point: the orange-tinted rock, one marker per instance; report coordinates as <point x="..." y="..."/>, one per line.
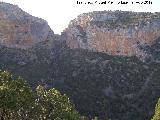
<point x="19" y="29"/>
<point x="110" y="33"/>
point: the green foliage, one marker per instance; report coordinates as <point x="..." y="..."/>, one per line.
<point x="53" y="105"/>
<point x="157" y="111"/>
<point x="19" y="102"/>
<point x="99" y="85"/>
<point x="95" y="118"/>
<point x="16" y="97"/>
<point x="107" y="86"/>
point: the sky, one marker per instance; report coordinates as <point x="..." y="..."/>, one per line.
<point x="58" y="13"/>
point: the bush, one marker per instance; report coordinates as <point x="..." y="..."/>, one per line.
<point x="157" y="111"/>
<point x="19" y="102"/>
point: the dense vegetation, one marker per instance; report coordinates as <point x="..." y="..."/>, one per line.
<point x="123" y="88"/>
<point x="114" y="87"/>
<point x="19" y="102"/>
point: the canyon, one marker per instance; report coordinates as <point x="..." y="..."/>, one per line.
<point x="107" y="62"/>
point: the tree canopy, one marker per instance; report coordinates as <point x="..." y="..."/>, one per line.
<point x="157" y="111"/>
<point x="19" y="102"/>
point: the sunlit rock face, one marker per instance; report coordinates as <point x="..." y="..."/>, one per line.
<point x="115" y="33"/>
<point x="19" y="29"/>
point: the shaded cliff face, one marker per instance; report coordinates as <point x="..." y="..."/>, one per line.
<point x="115" y="33"/>
<point x="19" y="29"/>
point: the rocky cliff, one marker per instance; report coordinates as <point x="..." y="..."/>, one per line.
<point x="107" y="86"/>
<point x="19" y="29"/>
<point x="115" y="33"/>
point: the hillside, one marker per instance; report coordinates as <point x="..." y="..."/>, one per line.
<point x="100" y="81"/>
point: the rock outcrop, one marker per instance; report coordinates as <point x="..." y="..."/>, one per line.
<point x="106" y="86"/>
<point x="115" y="33"/>
<point x="18" y="29"/>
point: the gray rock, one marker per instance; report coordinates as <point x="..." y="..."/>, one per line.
<point x="19" y="29"/>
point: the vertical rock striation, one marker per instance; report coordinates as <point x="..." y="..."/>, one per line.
<point x="115" y="33"/>
<point x="19" y="29"/>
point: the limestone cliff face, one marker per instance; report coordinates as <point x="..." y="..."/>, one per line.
<point x="19" y="29"/>
<point x="115" y="33"/>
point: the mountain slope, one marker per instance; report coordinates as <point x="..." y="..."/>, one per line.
<point x="119" y="86"/>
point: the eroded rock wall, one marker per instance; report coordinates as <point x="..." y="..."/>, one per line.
<point x="19" y="29"/>
<point x="115" y="33"/>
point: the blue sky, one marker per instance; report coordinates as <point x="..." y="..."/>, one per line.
<point x="58" y="13"/>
